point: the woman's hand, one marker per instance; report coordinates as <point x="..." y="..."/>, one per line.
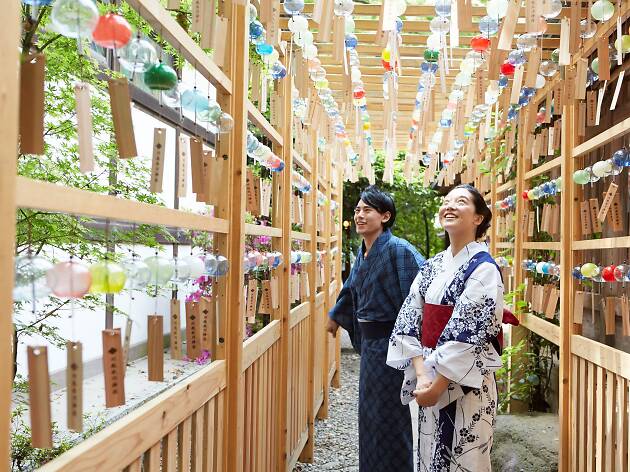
<point x="423" y="382"/>
<point x="426" y="397"/>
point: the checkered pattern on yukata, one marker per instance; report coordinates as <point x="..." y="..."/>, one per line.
<point x="378" y="284"/>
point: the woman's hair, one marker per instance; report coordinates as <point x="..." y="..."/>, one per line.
<point x="481" y="208"/>
<point x="373" y="197"/>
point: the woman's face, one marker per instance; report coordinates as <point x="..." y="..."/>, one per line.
<point x="458" y="213"/>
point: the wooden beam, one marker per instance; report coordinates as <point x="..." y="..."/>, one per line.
<point x="9" y="115"/>
<point x="259" y="120"/>
<point x="237" y="13"/>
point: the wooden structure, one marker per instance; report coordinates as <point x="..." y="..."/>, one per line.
<point x="254" y="407"/>
<point x="594" y="408"/>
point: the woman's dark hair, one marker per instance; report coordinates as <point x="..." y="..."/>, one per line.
<point x="481" y="208"/>
<point x="373" y="197"/>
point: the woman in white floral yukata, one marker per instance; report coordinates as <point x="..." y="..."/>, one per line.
<point x="447" y="338"/>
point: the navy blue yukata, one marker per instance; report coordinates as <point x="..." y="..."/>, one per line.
<point x="367" y="307"/>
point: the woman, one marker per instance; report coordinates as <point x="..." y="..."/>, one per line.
<point x="446" y="339"/>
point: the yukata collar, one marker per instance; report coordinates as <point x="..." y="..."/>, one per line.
<point x="380" y="242"/>
<point x="465" y="253"/>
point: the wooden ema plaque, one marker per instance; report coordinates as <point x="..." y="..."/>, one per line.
<point x="275" y="292"/>
<point x="155" y="351"/>
<point x="608" y="199"/>
<point x="32" y="78"/>
<point x="193" y="331"/>
<point x="609" y="316"/>
<point x="594" y="207"/>
<point x="84" y="126"/>
<point x="176" y="330"/>
<point x="207" y="308"/>
<point x="157" y="162"/>
<point x="39" y="397"/>
<point x="625" y="316"/>
<point x="251" y="299"/>
<point x="578" y="307"/>
<point x="265" y="299"/>
<point x="615" y="213"/>
<point x="120" y="101"/>
<point x="196" y="167"/>
<point x="182" y="165"/>
<point x="113" y="368"/>
<point x="74" y="385"/>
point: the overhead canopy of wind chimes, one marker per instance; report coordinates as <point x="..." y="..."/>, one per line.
<point x="426" y="78"/>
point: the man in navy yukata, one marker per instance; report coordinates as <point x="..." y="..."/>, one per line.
<point x="367" y="307"/>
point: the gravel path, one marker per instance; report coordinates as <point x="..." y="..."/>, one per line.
<point x="337" y="438"/>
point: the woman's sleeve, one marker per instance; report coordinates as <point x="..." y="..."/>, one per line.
<point x="404" y="342"/>
<point x="465" y="353"/>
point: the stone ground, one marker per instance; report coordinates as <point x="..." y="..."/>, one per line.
<point x="523" y="443"/>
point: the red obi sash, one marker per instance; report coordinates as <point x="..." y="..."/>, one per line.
<point x="435" y="318"/>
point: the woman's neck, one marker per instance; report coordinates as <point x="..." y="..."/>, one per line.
<point x="459" y="242"/>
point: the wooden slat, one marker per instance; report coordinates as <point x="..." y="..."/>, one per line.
<point x="602" y="138"/>
<point x="599" y="419"/>
<point x="543" y="328"/>
<point x="536" y="245"/>
<point x="260" y="343"/>
<point x="197" y="440"/>
<point x="152" y="459"/>
<point x="176" y="36"/>
<point x="590" y="436"/>
<point x="505" y="245"/>
<point x="47" y="196"/>
<point x="607" y="357"/>
<point x="546" y="167"/>
<point x="257" y="118"/>
<point x="184" y="444"/>
<point x="139" y="430"/>
<point x="506" y="186"/>
<point x="299" y="313"/>
<point x="260" y="230"/>
<point x="170" y="452"/>
<point x="306" y="167"/>
<point x="300" y="236"/>
<point x="605" y="243"/>
<point x="135" y="466"/>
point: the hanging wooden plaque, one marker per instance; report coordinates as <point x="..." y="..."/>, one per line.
<point x="196" y="165"/>
<point x="552" y="302"/>
<point x="265" y="299"/>
<point x="585" y="218"/>
<point x="616" y="212"/>
<point x="305" y="289"/>
<point x="113" y="368"/>
<point x="197" y="13"/>
<point x="557" y="99"/>
<point x="193" y="331"/>
<point x="216" y="170"/>
<point x="32" y="79"/>
<point x="580" y="78"/>
<point x="176" y="330"/>
<point x="609" y="317"/>
<point x="591" y="108"/>
<point x="531" y="220"/>
<point x="182" y="166"/>
<point x="557" y="134"/>
<point x="607" y="202"/>
<point x="603" y="55"/>
<point x="173" y="4"/>
<point x="252" y="298"/>
<point x="594" y="207"/>
<point x="84" y="127"/>
<point x="120" y="102"/>
<point x="265" y="197"/>
<point x="217" y="41"/>
<point x="249" y="192"/>
<point x="516" y="85"/>
<point x="533" y="63"/>
<point x="275" y="292"/>
<point x="155" y="351"/>
<point x="578" y="307"/>
<point x="581" y="119"/>
<point x="339" y="34"/>
<point x="127" y="342"/>
<point x="208" y="323"/>
<point x="625" y="316"/>
<point x="157" y="162"/>
<point x="208" y="25"/>
<point x="74" y="386"/>
<point x="39" y="397"/>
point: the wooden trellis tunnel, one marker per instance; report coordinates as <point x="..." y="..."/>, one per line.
<point x="254" y="406"/>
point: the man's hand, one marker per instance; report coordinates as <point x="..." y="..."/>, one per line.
<point x="332" y="326"/>
<point x="426" y="397"/>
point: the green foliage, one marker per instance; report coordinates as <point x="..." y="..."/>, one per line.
<point x="416" y="207"/>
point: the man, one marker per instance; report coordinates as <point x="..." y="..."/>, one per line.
<point x="367" y="307"/>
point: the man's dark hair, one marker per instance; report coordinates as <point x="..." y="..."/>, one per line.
<point x="382" y="202"/>
<point x="481" y="208"/>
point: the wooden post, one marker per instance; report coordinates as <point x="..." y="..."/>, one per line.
<point x="9" y="94"/>
<point x="567" y="288"/>
<point x="237" y="13"/>
<point x="308" y="451"/>
<point x="284" y="217"/>
<point x="336" y="381"/>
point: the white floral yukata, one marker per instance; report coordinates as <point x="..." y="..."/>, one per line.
<point x="456" y="433"/>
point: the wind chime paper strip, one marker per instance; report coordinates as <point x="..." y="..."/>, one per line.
<point x="74" y="386"/>
<point x="32" y="78"/>
<point x="113" y="368"/>
<point x="176" y="330"/>
<point x="509" y="26"/>
<point x="84" y="127"/>
<point x="613" y="103"/>
<point x="39" y="397"/>
<point x="155" y="352"/>
<point x="120" y="101"/>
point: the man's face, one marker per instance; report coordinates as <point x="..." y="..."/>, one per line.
<point x="368" y="220"/>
